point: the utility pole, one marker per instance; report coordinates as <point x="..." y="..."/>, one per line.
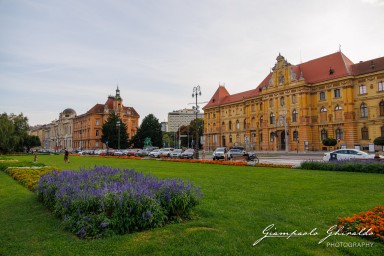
<point x="196" y="92"/>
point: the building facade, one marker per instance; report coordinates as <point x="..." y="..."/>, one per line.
<point x="297" y="106"/>
<point x="178" y="118"/>
<point x="87" y="128"/>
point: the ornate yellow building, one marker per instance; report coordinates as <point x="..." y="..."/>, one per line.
<point x="296" y="106"/>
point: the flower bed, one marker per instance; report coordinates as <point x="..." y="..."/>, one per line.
<point x="372" y="220"/>
<point x="95" y="203"/>
<point x="27" y="176"/>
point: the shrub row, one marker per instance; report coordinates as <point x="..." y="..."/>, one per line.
<point x="96" y="203"/>
<point x="367" y="166"/>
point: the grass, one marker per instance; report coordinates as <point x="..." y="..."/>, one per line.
<point x="238" y="203"/>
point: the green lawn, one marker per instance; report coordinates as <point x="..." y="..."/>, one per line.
<point x="238" y="203"/>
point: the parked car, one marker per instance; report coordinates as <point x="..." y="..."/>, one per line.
<point x="154" y="153"/>
<point x="165" y="152"/>
<point x="347" y="154"/>
<point x="118" y="153"/>
<point x="219" y="153"/>
<point x="235" y="152"/>
<point x="142" y="152"/>
<point x="176" y="153"/>
<point x="188" y="153"/>
<point x="132" y="152"/>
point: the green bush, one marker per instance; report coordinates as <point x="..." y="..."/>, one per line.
<point x="367" y="166"/>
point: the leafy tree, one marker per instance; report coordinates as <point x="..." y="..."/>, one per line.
<point x="13" y="132"/>
<point x="379" y="141"/>
<point x="200" y="128"/>
<point x="329" y="142"/>
<point x="149" y="128"/>
<point x="110" y="132"/>
<point x="31" y="141"/>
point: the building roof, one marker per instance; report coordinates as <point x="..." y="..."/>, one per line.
<point x="332" y="66"/>
<point x="364" y="67"/>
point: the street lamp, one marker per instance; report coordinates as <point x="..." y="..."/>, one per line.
<point x="118" y="135"/>
<point x="196" y="92"/>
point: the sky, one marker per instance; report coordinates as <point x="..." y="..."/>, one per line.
<point x="57" y="54"/>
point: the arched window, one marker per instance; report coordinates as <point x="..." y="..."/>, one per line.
<point x="364" y="133"/>
<point x="271" y="136"/>
<point x="363" y="110"/>
<point x="324" y="134"/>
<point x="338" y="112"/>
<point x="237" y="124"/>
<point x="295" y="135"/>
<point x="294" y="116"/>
<point x="323" y="114"/>
<point x="272" y="118"/>
<point x="381" y="105"/>
<point x="339" y="134"/>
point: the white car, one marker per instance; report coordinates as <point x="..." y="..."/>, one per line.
<point x="347" y="154"/>
<point x="154" y="153"/>
<point x="176" y="153"/>
<point x="165" y="152"/>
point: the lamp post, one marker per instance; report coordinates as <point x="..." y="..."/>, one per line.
<point x="118" y="135"/>
<point x="196" y="92"/>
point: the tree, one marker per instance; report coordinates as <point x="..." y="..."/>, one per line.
<point x="110" y="132"/>
<point x="200" y="127"/>
<point x="330" y="142"/>
<point x="13" y="132"/>
<point x="149" y="128"/>
<point x="31" y="141"/>
<point x="379" y="141"/>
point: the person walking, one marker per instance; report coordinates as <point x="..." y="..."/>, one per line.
<point x="66" y="154"/>
<point x="35" y="157"/>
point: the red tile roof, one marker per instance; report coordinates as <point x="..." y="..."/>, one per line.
<point x="335" y="65"/>
<point x="365" y="67"/>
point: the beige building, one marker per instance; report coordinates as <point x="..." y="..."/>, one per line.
<point x="296" y="106"/>
<point x="178" y="118"/>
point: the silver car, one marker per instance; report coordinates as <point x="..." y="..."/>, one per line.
<point x="347" y="154"/>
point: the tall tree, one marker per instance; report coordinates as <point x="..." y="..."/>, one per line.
<point x="31" y="141"/>
<point x="13" y="132"/>
<point x="149" y="128"/>
<point x="110" y="132"/>
<point x="199" y="123"/>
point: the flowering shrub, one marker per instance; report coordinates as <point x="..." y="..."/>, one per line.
<point x="373" y="219"/>
<point x="368" y="166"/>
<point x="27" y="176"/>
<point x="98" y="202"/>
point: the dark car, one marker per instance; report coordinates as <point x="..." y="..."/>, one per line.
<point x="188" y="153"/>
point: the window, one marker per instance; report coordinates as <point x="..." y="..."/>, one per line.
<point x="337" y="93"/>
<point x="338" y="108"/>
<point x="323" y="114"/>
<point x="245" y="124"/>
<point x="261" y="137"/>
<point x="295" y="135"/>
<point x="364" y="133"/>
<point x="282" y="103"/>
<point x="237" y="124"/>
<point x="322" y="95"/>
<point x="97" y="122"/>
<point x="324" y="134"/>
<point x="294" y="116"/>
<point x="261" y="121"/>
<point x="363" y="110"/>
<point x="362" y="89"/>
<point x="339" y="134"/>
<point x="338" y="112"/>
<point x="230" y="138"/>
<point x="294" y="99"/>
<point x="261" y="106"/>
<point x="272" y="118"/>
<point x="381" y="105"/>
<point x="97" y="133"/>
<point x="381" y="86"/>
<point x="271" y="136"/>
<point x="230" y="125"/>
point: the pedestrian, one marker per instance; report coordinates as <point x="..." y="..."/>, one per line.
<point x="35" y="157"/>
<point x="203" y="154"/>
<point x="66" y="154"/>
